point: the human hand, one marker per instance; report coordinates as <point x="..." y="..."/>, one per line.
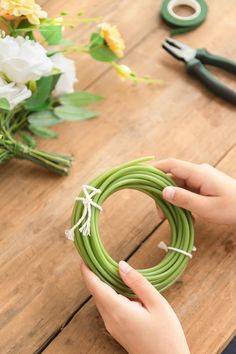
<point x="202" y="189"/>
<point x="146" y="326"/>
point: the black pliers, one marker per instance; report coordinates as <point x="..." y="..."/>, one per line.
<point x="194" y="60"/>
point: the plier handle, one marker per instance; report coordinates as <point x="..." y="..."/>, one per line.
<point x="194" y="60"/>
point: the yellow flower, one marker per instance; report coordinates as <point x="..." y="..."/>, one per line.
<point x="58" y="21"/>
<point x="113" y="38"/>
<point x="123" y="71"/>
<point x="26" y="8"/>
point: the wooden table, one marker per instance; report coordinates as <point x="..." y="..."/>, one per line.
<point x="44" y="306"/>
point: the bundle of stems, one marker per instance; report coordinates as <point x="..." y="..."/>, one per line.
<point x="13" y="121"/>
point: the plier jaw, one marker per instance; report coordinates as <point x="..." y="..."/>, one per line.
<point x="179" y="50"/>
<point x="196" y="59"/>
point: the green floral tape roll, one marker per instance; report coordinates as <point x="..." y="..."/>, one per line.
<point x="182" y="24"/>
<point x="85" y="225"/>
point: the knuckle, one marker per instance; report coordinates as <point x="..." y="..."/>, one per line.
<point x="136" y="278"/>
<point x="172" y="161"/>
<point x="92" y="291"/>
<point x="95" y="292"/>
<point x="182" y="198"/>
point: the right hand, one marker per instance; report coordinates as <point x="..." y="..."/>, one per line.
<point x="201" y="189"/>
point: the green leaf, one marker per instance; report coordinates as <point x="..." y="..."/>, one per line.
<point x="79" y="98"/>
<point x="44" y="88"/>
<point x="31" y="36"/>
<point x="43" y="132"/>
<point x="102" y="54"/>
<point x="72" y="113"/>
<point x="44" y="107"/>
<point x="52" y="34"/>
<point x="24" y="23"/>
<point x="4" y="104"/>
<point x="24" y="26"/>
<point x="99" y="50"/>
<point x="43" y="119"/>
<point x="96" y="40"/>
<point x="66" y="42"/>
<point x="28" y="140"/>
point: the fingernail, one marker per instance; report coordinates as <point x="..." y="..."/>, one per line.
<point x="124" y="267"/>
<point x="169" y="193"/>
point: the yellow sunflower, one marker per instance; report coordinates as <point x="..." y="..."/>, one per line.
<point x="112" y="37"/>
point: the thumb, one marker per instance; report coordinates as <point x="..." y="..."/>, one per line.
<point x="146" y="293"/>
<point x="185" y="199"/>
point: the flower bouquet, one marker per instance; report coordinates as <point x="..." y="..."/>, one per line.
<point x="37" y="80"/>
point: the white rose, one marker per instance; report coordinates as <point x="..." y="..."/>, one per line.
<point x="67" y="80"/>
<point x="14" y="93"/>
<point x="22" y="60"/>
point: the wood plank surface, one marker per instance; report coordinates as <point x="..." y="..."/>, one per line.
<point x="41" y="285"/>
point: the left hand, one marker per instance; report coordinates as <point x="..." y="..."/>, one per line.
<point x="146" y="326"/>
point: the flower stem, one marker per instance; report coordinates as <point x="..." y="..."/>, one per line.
<point x="11" y="148"/>
<point x="57" y="163"/>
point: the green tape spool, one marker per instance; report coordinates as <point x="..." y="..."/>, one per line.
<point x="182" y="24"/>
<point x="151" y="181"/>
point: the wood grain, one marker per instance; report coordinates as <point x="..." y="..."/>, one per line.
<point x="41" y="285"/>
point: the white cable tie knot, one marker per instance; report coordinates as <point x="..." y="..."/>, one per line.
<point x="87" y="212"/>
<point x="166" y="248"/>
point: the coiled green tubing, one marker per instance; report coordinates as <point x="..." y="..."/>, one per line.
<point x="151" y="181"/>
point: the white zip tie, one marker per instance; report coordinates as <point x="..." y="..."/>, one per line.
<point x="166" y="248"/>
<point x="88" y="203"/>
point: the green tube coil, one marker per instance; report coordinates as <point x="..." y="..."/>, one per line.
<point x="182" y="24"/>
<point x="151" y="181"/>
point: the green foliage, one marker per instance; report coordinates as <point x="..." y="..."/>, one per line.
<point x="80" y="98"/>
<point x="68" y="110"/>
<point x="28" y="140"/>
<point x="4" y="104"/>
<point x="96" y="40"/>
<point x="42" y="132"/>
<point x="23" y="28"/>
<point x="44" y="88"/>
<point x="45" y="106"/>
<point x="52" y="33"/>
<point x="73" y="113"/>
<point x="43" y="119"/>
<point x="103" y="54"/>
<point x="99" y="50"/>
<point x="24" y="23"/>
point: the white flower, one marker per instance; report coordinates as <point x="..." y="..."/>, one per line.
<point x="14" y="93"/>
<point x="67" y="80"/>
<point x="22" y="60"/>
